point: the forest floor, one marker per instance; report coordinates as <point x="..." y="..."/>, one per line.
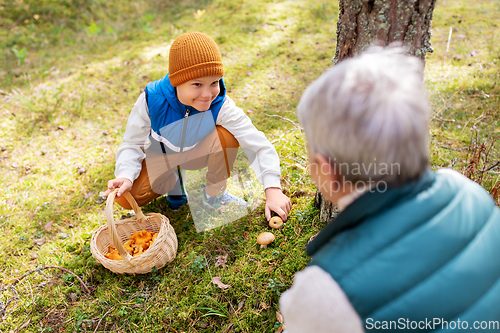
<point x="69" y="80"/>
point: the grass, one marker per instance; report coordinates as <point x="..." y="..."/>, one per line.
<point x="464" y="87"/>
<point x="64" y="112"/>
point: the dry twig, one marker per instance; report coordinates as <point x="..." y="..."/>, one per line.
<point x="495" y="193"/>
<point x="443" y="119"/>
<point x="38" y="269"/>
<point x="284" y="118"/>
<point x="99" y="322"/>
<point x="27" y="322"/>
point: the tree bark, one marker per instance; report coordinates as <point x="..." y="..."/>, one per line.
<point x="327" y="211"/>
<point x="381" y="22"/>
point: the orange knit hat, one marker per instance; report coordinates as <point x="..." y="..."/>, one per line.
<point x="193" y="55"/>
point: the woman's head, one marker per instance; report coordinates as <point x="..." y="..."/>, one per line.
<point x="368" y="116"/>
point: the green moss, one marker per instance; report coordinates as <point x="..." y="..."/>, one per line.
<point x="70" y="111"/>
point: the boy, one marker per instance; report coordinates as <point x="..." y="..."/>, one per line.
<point x="186" y="120"/>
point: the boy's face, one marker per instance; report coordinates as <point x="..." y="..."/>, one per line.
<point x="199" y="93"/>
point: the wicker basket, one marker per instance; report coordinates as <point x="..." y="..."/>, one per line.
<point x="163" y="250"/>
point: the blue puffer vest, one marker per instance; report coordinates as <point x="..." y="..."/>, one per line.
<point x="177" y="126"/>
<point x="428" y="249"/>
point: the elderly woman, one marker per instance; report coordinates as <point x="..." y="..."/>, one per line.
<point x="411" y="248"/>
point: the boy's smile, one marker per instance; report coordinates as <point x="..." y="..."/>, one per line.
<point x="199" y="93"/>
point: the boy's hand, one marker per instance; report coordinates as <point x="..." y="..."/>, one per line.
<point x="123" y="183"/>
<point x="277" y="202"/>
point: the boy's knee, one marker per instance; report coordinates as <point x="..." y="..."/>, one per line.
<point x="142" y="199"/>
<point x="123" y="202"/>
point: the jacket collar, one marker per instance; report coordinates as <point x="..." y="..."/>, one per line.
<point x="369" y="204"/>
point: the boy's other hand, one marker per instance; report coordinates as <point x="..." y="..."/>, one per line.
<point x="277" y="202"/>
<point x="122" y="183"/>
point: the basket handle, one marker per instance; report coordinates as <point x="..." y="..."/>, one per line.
<point x="111" y="222"/>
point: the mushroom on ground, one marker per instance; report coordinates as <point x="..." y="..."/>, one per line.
<point x="276" y="222"/>
<point x="265" y="238"/>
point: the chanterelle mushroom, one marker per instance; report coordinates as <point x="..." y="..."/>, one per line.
<point x="275" y="222"/>
<point x="265" y="238"/>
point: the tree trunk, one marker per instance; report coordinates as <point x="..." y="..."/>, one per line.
<point x="381" y="22"/>
<point x="327" y="210"/>
<point x="365" y="22"/>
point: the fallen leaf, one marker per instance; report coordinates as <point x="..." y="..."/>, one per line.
<point x="102" y="197"/>
<point x="240" y="304"/>
<point x="279" y="317"/>
<point x="72" y="297"/>
<point x="263" y="305"/>
<point x="216" y="280"/>
<point x="221" y="261"/>
<point x="48" y="226"/>
<point x="40" y="241"/>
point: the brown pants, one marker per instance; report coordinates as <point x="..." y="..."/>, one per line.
<point x="211" y="152"/>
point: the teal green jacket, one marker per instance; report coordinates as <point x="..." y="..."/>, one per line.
<point x="428" y="249"/>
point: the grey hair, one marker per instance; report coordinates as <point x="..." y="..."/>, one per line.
<point x="367" y="113"/>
